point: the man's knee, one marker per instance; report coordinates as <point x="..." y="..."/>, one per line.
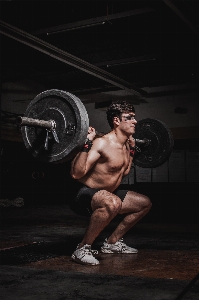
<point x="146" y="202"/>
<point x="107" y="200"/>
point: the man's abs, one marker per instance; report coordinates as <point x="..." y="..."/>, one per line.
<point x="107" y="182"/>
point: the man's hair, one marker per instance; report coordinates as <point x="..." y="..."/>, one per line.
<point x="116" y="109"/>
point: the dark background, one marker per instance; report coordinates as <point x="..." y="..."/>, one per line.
<point x="159" y="37"/>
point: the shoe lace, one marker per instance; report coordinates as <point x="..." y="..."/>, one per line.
<point x="121" y="242"/>
<point x="89" y="251"/>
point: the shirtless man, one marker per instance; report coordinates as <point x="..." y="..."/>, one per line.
<point x="99" y="169"/>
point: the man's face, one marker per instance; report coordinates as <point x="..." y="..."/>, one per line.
<point x="128" y="122"/>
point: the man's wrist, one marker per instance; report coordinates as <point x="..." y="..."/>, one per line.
<point x="88" y="140"/>
<point x="132" y="150"/>
<point x="87" y="145"/>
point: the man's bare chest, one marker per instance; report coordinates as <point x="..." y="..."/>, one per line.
<point x="116" y="159"/>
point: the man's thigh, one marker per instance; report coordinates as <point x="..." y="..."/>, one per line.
<point x="81" y="200"/>
<point x="134" y="202"/>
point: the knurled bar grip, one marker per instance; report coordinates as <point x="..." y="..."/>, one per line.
<point x="138" y="141"/>
<point x="144" y="141"/>
<point x="24" y="121"/>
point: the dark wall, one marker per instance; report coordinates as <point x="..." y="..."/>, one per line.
<point x="24" y="176"/>
<point x="171" y="202"/>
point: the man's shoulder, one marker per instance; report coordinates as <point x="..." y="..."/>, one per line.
<point x="102" y="142"/>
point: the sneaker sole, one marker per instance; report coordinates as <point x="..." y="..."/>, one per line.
<point x="111" y="252"/>
<point x="77" y="260"/>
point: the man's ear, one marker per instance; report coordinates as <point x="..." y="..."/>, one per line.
<point x="116" y="121"/>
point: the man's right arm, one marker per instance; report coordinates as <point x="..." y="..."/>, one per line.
<point x="84" y="161"/>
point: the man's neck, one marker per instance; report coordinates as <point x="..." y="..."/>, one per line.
<point x="120" y="137"/>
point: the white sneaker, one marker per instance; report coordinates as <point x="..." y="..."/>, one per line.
<point x="118" y="247"/>
<point x="84" y="255"/>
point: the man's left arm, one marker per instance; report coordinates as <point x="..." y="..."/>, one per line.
<point x="131" y="146"/>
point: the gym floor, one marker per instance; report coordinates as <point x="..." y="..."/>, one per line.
<point x="37" y="243"/>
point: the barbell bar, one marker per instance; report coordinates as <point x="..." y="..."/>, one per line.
<point x="55" y="126"/>
<point x="51" y="126"/>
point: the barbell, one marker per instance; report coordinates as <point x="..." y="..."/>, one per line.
<point x="55" y="125"/>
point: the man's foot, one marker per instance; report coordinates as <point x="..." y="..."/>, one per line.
<point x="118" y="247"/>
<point x="84" y="255"/>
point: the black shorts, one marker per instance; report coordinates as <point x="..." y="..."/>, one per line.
<point x="81" y="202"/>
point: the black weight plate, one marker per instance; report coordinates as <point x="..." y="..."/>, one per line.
<point x="160" y="147"/>
<point x="71" y="120"/>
